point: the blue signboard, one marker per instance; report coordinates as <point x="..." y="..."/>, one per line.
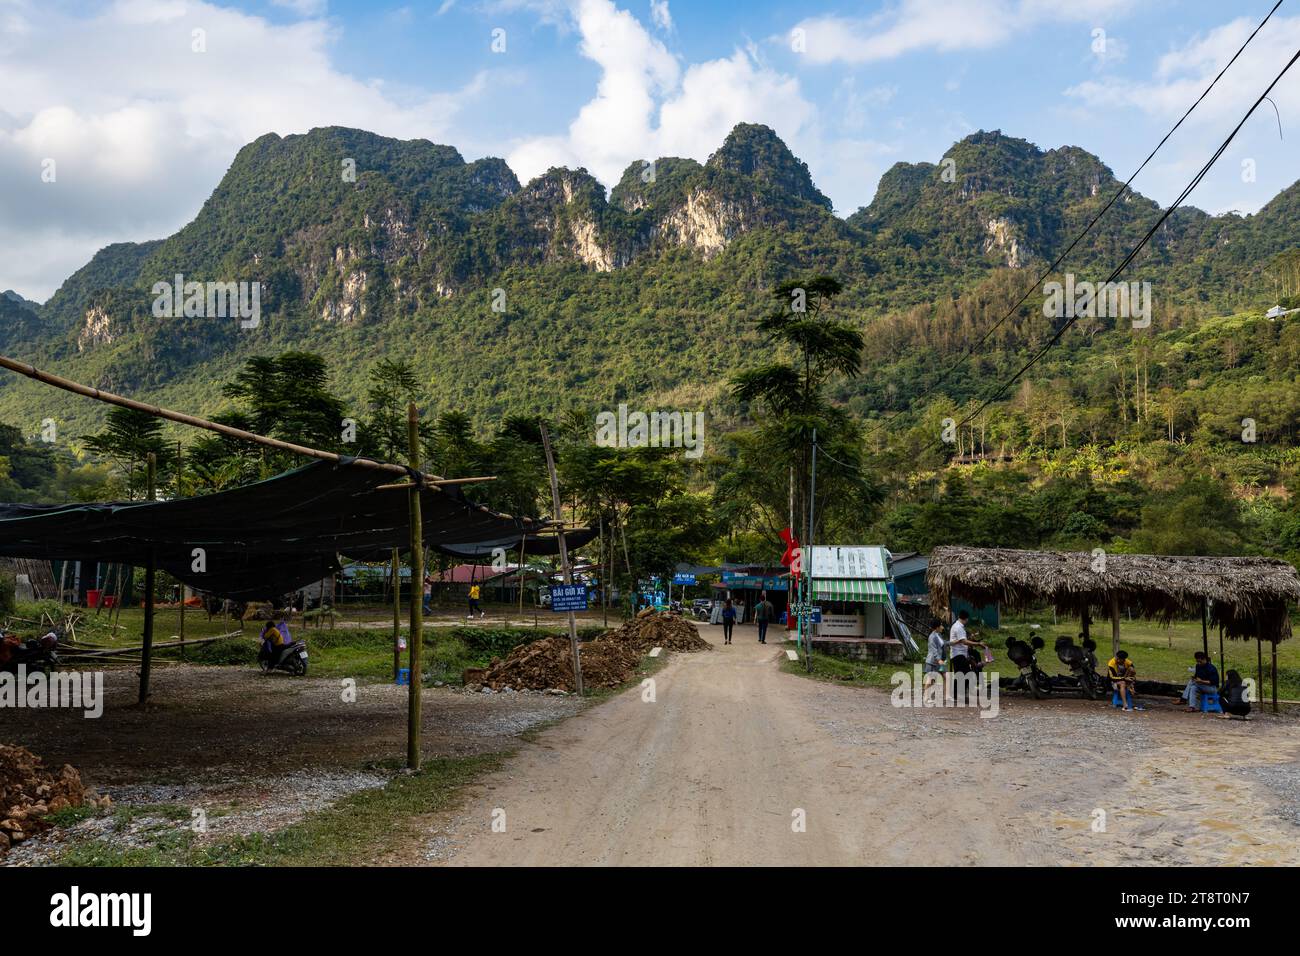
<point x="568" y="597"/>
<point x="681" y="577"/>
<point x="754" y="582"/>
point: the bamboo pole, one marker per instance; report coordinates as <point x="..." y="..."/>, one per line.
<point x="49" y="378"/>
<point x="564" y="558"/>
<point x="397" y="615"/>
<point x="179" y="464"/>
<point x="413" y="714"/>
<point x="150" y="571"/>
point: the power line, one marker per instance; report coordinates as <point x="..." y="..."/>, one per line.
<point x="1133" y="253"/>
<point x="1095" y="219"/>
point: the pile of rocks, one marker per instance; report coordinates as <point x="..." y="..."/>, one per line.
<point x="29" y="792"/>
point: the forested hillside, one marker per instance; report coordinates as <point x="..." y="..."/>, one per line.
<point x="512" y="299"/>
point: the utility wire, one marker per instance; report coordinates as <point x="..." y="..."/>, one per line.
<point x="1133" y="253"/>
<point x="1095" y="219"/>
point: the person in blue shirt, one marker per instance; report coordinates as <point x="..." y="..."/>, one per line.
<point x="1205" y="676"/>
<point x="728" y="621"/>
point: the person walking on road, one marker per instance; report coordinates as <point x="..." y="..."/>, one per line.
<point x="763" y="612"/>
<point x="728" y="621"/>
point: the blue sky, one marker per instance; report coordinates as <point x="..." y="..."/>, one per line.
<point x="142" y="104"/>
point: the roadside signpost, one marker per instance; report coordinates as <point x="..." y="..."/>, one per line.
<point x="568" y="597"/>
<point x="564" y="562"/>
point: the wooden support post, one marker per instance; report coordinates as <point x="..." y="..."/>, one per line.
<point x="1205" y="629"/>
<point x="1114" y="624"/>
<point x="150" y="570"/>
<point x="519" y="575"/>
<point x="1259" y="668"/>
<point x="564" y="557"/>
<point x="396" y="573"/>
<point x="1274" y="643"/>
<point x="1085" y="620"/>
<point x="413" y="714"/>
<point x="180" y="463"/>
<point x="1223" y="664"/>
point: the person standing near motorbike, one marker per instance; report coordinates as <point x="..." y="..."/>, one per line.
<point x="959" y="645"/>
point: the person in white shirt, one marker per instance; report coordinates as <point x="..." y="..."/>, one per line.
<point x="959" y="646"/>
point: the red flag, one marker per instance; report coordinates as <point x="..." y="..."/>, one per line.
<point x="793" y="557"/>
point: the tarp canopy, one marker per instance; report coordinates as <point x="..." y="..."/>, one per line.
<point x="539" y="545"/>
<point x="262" y="540"/>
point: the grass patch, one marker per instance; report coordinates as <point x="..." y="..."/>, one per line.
<point x="841" y="670"/>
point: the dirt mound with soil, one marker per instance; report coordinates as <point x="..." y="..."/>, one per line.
<point x="548" y="663"/>
<point x="656" y="629"/>
<point x="608" y="661"/>
<point x="28" y="791"/>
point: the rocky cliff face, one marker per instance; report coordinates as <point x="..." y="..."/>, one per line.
<point x="96" y="329"/>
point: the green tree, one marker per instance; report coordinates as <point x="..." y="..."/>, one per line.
<point x="127" y="439"/>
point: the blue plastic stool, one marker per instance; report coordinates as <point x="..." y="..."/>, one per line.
<point x="1116" y="702"/>
<point x="1210" y="701"/>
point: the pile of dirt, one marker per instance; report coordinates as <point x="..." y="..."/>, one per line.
<point x="28" y="792"/>
<point x="548" y="664"/>
<point x="653" y="628"/>
<point x="608" y="661"/>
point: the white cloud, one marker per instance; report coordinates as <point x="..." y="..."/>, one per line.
<point x="660" y="16"/>
<point x="1179" y="77"/>
<point x="141" y="127"/>
<point x="304" y="8"/>
<point x="647" y="106"/>
<point x="940" y="26"/>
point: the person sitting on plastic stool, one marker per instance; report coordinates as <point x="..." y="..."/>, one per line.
<point x="1123" y="678"/>
<point x="1205" y="677"/>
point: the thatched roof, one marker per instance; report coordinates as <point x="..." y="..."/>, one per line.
<point x="1249" y="596"/>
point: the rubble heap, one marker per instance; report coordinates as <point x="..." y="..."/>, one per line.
<point x="28" y="792"/>
<point x="607" y="661"/>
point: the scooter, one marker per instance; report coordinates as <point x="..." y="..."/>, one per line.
<point x="290" y="657"/>
<point x="36" y="654"/>
<point x="1082" y="663"/>
<point x="1025" y="656"/>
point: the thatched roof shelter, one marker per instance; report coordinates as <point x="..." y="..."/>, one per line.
<point x="1250" y="597"/>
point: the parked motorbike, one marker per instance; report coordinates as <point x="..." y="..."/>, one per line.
<point x="1025" y="656"/>
<point x="36" y="654"/>
<point x="290" y="657"/>
<point x="1083" y="665"/>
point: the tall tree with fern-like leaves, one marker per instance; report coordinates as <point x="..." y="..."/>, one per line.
<point x="127" y="439"/>
<point x="810" y="347"/>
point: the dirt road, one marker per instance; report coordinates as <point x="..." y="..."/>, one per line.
<point x="733" y="754"/>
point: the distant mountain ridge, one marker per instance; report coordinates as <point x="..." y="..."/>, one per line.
<point x="372" y="246"/>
